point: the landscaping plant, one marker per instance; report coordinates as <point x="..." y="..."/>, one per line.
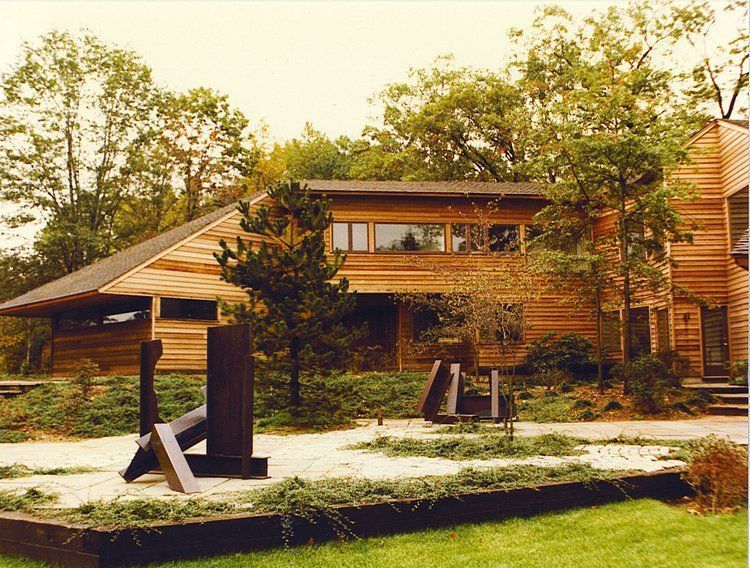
<point x="295" y="305"/>
<point x="717" y="471"/>
<point x="648" y="379"/>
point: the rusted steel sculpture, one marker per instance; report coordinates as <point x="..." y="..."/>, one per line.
<point x="459" y="407"/>
<point x="225" y="421"/>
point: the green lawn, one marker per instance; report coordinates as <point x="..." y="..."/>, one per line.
<point x="636" y="533"/>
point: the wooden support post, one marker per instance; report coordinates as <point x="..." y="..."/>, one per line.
<point x="151" y="352"/>
<point x="455" y="390"/>
<point x="172" y="461"/>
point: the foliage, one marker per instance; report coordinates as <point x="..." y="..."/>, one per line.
<point x="311" y="499"/>
<point x="677" y="366"/>
<point x="295" y="307"/>
<point x="566" y="351"/>
<point x="27" y="500"/>
<point x="648" y="379"/>
<point x="612" y="405"/>
<point x="738" y="372"/>
<point x="17" y="470"/>
<point x="612" y="135"/>
<point x="314" y="156"/>
<point x="72" y="111"/>
<point x="484" y="445"/>
<point x="717" y="471"/>
<point x="111" y="411"/>
<point x="720" y="76"/>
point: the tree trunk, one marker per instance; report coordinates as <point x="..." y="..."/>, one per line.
<point x="28" y="347"/>
<point x="295" y="398"/>
<point x="599" y="354"/>
<point x="625" y="271"/>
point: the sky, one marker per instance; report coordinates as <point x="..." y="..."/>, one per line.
<point x="286" y="63"/>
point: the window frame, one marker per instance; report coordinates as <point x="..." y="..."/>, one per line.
<point x="486" y="236"/>
<point x="350" y="236"/>
<point x="730" y="216"/>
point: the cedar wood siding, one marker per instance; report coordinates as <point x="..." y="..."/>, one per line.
<point x="187" y="271"/>
<point x="389" y="272"/>
<point x="718" y="168"/>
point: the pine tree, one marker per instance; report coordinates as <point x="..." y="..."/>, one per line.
<point x="295" y="307"/>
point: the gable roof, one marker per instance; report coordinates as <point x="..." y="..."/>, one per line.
<point x="447" y="188"/>
<point x="92" y="277"/>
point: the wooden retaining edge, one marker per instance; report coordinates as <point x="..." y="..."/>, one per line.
<point x="66" y="544"/>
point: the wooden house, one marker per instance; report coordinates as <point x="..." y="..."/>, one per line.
<point x="167" y="287"/>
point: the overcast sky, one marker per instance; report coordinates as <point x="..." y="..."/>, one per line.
<point x="286" y="63"/>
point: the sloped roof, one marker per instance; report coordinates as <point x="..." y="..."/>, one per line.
<point x="91" y="278"/>
<point x="511" y="189"/>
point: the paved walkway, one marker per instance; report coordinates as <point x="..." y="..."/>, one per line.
<point x="315" y="456"/>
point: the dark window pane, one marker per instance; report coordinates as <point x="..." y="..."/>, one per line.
<point x="341" y="236"/>
<point x="359" y="236"/>
<point x="738" y="216"/>
<point x="503" y="238"/>
<point x="424" y="320"/>
<point x="175" y="308"/>
<point x="413" y="237"/>
<point x="135" y="309"/>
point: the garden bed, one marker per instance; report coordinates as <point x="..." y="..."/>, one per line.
<point x="71" y="544"/>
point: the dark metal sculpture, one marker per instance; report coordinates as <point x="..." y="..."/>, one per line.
<point x="225" y="421"/>
<point x="459" y="407"/>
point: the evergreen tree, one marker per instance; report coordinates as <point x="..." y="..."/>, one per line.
<point x="295" y="306"/>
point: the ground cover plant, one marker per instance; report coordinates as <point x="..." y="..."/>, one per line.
<point x="578" y="402"/>
<point x="18" y="470"/>
<point x="301" y="498"/>
<point x="654" y="533"/>
<point x="488" y="444"/>
<point x="58" y="410"/>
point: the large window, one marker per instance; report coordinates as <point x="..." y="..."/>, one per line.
<point x="409" y="237"/>
<point x="466" y="238"/>
<point x="503" y="238"/>
<point x="738" y="216"/>
<point x="350" y="236"/>
<point x="178" y="308"/>
<point x="121" y="312"/>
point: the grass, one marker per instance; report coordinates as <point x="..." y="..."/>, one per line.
<point x="18" y="470"/>
<point x="468" y="447"/>
<point x="641" y="533"/>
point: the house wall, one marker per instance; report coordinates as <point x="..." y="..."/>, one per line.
<point x="390" y="272"/>
<point x="189" y="270"/>
<point x="115" y="348"/>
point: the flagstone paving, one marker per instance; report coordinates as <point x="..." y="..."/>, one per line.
<point x="315" y="456"/>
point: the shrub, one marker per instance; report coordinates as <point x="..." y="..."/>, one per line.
<point x="563" y="352"/>
<point x="582" y="403"/>
<point x="701" y="399"/>
<point x="677" y="366"/>
<point x="551" y="378"/>
<point x="717" y="471"/>
<point x="648" y="379"/>
<point x="587" y="415"/>
<point x="525" y="395"/>
<point x="738" y="372"/>
<point x="612" y="405"/>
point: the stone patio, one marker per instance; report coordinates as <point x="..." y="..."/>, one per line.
<point x="315" y="456"/>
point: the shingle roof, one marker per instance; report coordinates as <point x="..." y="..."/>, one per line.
<point x="741" y="248"/>
<point x="96" y="275"/>
<point x="737" y="122"/>
<point x="521" y="189"/>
